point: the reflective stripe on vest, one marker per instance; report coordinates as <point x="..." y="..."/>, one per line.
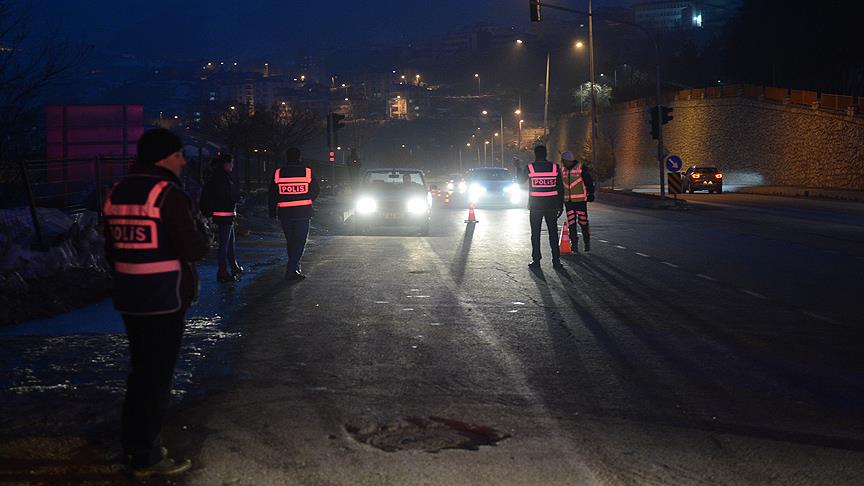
<point x="574" y="186"/>
<point x="291" y="204"/>
<point x="146" y="210"/>
<point x="151" y="268"/>
<point x="543" y="184"/>
<point x="224" y="214"/>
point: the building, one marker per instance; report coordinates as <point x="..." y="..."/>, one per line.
<point x="676" y="16"/>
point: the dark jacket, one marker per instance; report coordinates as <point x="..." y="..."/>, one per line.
<point x="220" y="194"/>
<point x="185" y="235"/>
<point x="299" y="212"/>
<point x="551" y="203"/>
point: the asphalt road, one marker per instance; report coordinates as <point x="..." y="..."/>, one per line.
<point x="717" y="345"/>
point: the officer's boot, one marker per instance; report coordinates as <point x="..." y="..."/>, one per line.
<point x="586" y="234"/>
<point x="224" y="276"/>
<point x="574" y="238"/>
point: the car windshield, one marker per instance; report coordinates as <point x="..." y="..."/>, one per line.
<point x="395" y="177"/>
<point x="492" y="175"/>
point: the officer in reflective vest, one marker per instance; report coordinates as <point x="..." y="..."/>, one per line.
<point x="292" y="193"/>
<point x="578" y="192"/>
<point x="219" y="201"/>
<point x="151" y="242"/>
<point x="545" y="202"/>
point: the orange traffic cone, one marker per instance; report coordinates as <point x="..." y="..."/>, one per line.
<point x="564" y="244"/>
<point x="471" y="217"/>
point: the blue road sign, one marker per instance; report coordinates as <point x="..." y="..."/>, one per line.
<point x="674" y="163"/>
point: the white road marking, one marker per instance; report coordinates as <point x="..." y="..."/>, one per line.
<point x="754" y="294"/>
<point x="670" y="265"/>
<point x="643" y="255"/>
<point x="706" y="277"/>
<point x="821" y="318"/>
<point x="603" y="241"/>
<point x="621" y="247"/>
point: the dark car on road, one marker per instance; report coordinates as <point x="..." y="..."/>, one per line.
<point x="703" y="178"/>
<point x="493" y="186"/>
<point x="393" y="197"/>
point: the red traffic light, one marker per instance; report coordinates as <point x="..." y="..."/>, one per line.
<point x="332" y="156"/>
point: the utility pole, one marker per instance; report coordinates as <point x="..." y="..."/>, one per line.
<point x="593" y="94"/>
<point x="546" y="102"/>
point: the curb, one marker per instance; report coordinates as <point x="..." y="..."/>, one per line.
<point x="632" y="199"/>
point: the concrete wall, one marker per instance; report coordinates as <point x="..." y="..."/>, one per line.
<point x="753" y="142"/>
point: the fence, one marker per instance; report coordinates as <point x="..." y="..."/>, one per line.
<point x="813" y="99"/>
<point x="77" y="185"/>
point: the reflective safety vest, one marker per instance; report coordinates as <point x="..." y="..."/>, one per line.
<point x="574" y="186"/>
<point x="146" y="267"/>
<point x="543" y="184"/>
<point x="224" y="214"/>
<point x="293" y="191"/>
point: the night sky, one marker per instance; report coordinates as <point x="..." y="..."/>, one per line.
<point x="168" y="29"/>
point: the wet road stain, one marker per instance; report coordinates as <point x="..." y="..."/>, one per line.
<point x="431" y="434"/>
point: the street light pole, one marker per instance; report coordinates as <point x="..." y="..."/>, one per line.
<point x="485" y="159"/>
<point x="546" y="102"/>
<point x="477" y="75"/>
<point x="501" y="120"/>
<point x="593" y="95"/>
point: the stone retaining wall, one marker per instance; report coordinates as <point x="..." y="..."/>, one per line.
<point x="753" y="142"/>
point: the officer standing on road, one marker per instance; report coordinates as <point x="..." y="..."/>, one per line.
<point x="293" y="190"/>
<point x="219" y="200"/>
<point x="578" y="192"/>
<point x="545" y="202"/>
<point x="151" y="242"/>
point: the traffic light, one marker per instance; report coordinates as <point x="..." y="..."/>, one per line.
<point x="332" y="156"/>
<point x="534" y="5"/>
<point x="334" y="123"/>
<point x="667" y="114"/>
<point x="655" y="122"/>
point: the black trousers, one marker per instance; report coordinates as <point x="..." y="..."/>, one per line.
<point x="577" y="217"/>
<point x="296" y="233"/>
<point x="536" y="218"/>
<point x="154" y="345"/>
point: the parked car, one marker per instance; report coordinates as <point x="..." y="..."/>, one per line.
<point x="493" y="186"/>
<point x="393" y="197"/>
<point x="707" y="178"/>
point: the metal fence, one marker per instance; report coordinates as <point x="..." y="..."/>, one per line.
<point x="814" y="99"/>
<point x="76" y="185"/>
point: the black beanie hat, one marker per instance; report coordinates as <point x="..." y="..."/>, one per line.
<point x="156" y="144"/>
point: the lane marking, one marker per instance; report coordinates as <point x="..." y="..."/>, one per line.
<point x="821" y="318"/>
<point x="643" y="255"/>
<point x="670" y="265"/>
<point x="603" y="241"/>
<point x="621" y="247"/>
<point x="706" y="277"/>
<point x="754" y="294"/>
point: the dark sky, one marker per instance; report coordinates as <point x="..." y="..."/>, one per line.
<point x="237" y="28"/>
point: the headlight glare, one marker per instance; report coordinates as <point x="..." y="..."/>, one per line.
<point x="416" y="206"/>
<point x="366" y="205"/>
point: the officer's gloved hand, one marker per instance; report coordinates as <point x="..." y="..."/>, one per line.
<point x="590" y="197"/>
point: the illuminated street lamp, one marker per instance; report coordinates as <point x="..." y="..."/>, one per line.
<point x="477" y="75"/>
<point x="519" y="142"/>
<point x="417" y="77"/>
<point x="519" y="41"/>
<point x="485" y="159"/>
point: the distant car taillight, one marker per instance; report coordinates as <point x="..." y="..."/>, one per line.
<point x="718" y="176"/>
<point x="695" y="175"/>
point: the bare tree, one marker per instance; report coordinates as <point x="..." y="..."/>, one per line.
<point x="287" y="125"/>
<point x="28" y="65"/>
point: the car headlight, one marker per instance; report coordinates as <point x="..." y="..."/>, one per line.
<point x="476" y="189"/>
<point x="450" y="186"/>
<point x="515" y="196"/>
<point x="366" y="205"/>
<point x="416" y="205"/>
<point x="463" y="187"/>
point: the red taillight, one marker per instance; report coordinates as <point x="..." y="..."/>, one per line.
<point x="718" y="176"/>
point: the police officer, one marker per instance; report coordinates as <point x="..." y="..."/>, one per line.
<point x="219" y="201"/>
<point x="545" y="202"/>
<point x="151" y="242"/>
<point x="578" y="192"/>
<point x="292" y="192"/>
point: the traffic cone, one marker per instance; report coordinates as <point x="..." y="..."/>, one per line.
<point x="564" y="244"/>
<point x="471" y="217"/>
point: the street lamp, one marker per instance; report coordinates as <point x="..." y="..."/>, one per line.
<point x="417" y="77"/>
<point x="477" y="75"/>
<point x="519" y="142"/>
<point x="501" y="124"/>
<point x="485" y="159"/>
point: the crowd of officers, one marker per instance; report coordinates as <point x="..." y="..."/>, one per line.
<point x="154" y="236"/>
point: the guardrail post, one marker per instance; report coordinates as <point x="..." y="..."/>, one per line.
<point x="34" y="215"/>
<point x="98" y="178"/>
